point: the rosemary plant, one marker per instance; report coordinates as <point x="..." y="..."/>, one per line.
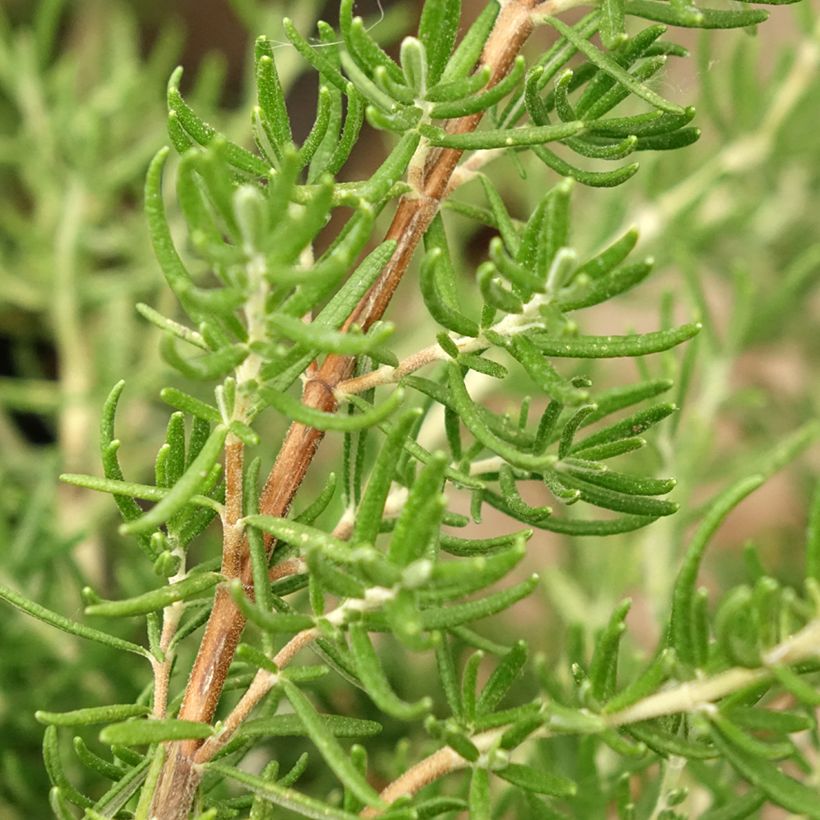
<point x="328" y="587"/>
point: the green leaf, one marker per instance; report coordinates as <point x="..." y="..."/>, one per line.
<point x="293" y="409"/>
<point x="92" y="715"/>
<point x="156" y="598"/>
<point x="577" y="527"/>
<point x="484" y="99"/>
<point x="610" y="257"/>
<point x="95" y="763"/>
<point x="273" y="623"/>
<point x="127" y="488"/>
<point x="518" y="731"/>
<point x="466" y="547"/>
<point x="681" y="625"/>
<point x="469" y="49"/>
<point x="617" y="398"/>
<point x="613" y="33"/>
<point x="330" y="749"/>
<point x="601" y="347"/>
<point x="204" y="134"/>
<point x="365" y="50"/>
<point x="568" y="433"/>
<point x="319" y="129"/>
<point x="770" y="720"/>
<point x="604" y="666"/>
<point x="622" y="482"/>
<point x="288" y="799"/>
<point x="292" y="726"/>
<point x="190" y="404"/>
<point x="54" y="767"/>
<point x="173" y="464"/>
<point x="506" y="228"/>
<point x="527" y="281"/>
<point x="514" y="504"/>
<point x="271" y="100"/>
<point x="695" y="17"/>
<point x="438" y="28"/>
<point x="420" y="517"/>
<point x="181" y="332"/>
<point x="501" y="138"/>
<point x="458" y="89"/>
<point x="328" y="71"/>
<point x="737" y="629"/>
<point x="328" y="340"/>
<point x="59" y="804"/>
<point x="479" y="795"/>
<point x="109" y="445"/>
<point x="612" y="449"/>
<point x="780" y="788"/>
<point x="563" y="106"/>
<point x="791" y="681"/>
<point x="345" y="299"/>
<point x="446" y="664"/>
<point x="475" y="422"/>
<point x="184" y="490"/>
<point x="502" y="678"/>
<point x="354" y="118"/>
<point x="414" y="65"/>
<point x="538" y="781"/>
<point x="631" y="426"/>
<point x="72" y="627"/>
<point x="654" y="123"/>
<point x="615" y="150"/>
<point x="447" y="617"/>
<point x="593" y="179"/>
<point x="127" y="786"/>
<point x="668" y="142"/>
<point x="372" y="675"/>
<point x="607" y="287"/>
<point x="611" y="67"/>
<point x="392" y="169"/>
<point x="371" y="508"/>
<point x="455" y="579"/>
<point x="769" y="749"/>
<point x="655" y="737"/>
<point x="436" y="806"/>
<point x="144" y="732"/>
<point x="437" y="282"/>
<point x="300" y="535"/>
<point x="208" y="366"/>
<point x="619" y="502"/>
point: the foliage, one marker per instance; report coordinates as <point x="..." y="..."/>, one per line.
<point x="281" y="283"/>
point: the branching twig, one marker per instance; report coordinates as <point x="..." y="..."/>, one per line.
<point x="689" y="697"/>
<point x="262" y="683"/>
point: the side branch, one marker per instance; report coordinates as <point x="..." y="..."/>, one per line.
<point x="685" y="697"/>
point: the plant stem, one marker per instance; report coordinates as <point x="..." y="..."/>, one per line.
<point x="262" y="683"/>
<point x="688" y="696"/>
<point x="414" y="213"/>
<point x="508" y="326"/>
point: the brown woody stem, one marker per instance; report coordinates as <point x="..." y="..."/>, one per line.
<point x="414" y="213"/>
